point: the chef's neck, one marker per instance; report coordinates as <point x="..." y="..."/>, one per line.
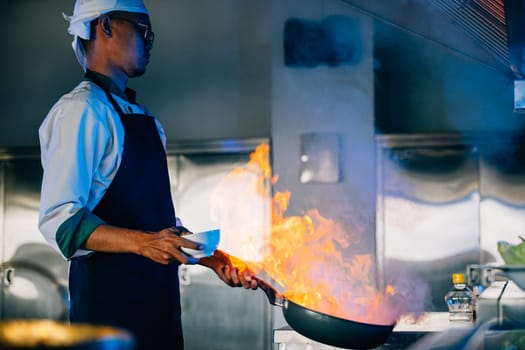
<point x="113" y="83"/>
<point x="120" y="79"/>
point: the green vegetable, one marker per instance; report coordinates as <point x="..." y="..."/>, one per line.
<point x="512" y="254"/>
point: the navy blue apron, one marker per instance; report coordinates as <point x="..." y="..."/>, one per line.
<point x="128" y="290"/>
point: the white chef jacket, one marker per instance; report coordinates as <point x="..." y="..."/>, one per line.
<point x="81" y="142"/>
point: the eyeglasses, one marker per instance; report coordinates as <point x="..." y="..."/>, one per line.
<point x="143" y="29"/>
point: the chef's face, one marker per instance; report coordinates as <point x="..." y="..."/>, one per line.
<point x="132" y="41"/>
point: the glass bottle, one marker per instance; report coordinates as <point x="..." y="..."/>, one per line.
<point x="460" y="300"/>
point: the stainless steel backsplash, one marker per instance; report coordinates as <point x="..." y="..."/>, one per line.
<point x="444" y="201"/>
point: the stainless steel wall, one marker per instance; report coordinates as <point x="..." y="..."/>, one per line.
<point x="33" y="277"/>
<point x="443" y="203"/>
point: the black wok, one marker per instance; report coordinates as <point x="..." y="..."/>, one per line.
<point x="327" y="329"/>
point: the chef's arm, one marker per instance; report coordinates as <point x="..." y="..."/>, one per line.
<point x="86" y="231"/>
<point x="161" y="247"/>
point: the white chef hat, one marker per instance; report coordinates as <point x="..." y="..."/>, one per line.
<point x="87" y="10"/>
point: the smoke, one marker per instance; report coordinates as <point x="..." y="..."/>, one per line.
<point x="412" y="294"/>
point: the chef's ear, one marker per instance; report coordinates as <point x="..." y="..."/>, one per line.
<point x="105" y="24"/>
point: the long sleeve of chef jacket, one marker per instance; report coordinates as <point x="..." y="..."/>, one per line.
<point x="81" y="143"/>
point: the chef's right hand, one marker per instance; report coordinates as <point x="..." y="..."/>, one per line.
<point x="164" y="246"/>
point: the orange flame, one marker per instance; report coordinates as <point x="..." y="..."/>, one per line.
<point x="305" y="255"/>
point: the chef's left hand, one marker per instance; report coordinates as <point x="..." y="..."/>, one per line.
<point x="221" y="263"/>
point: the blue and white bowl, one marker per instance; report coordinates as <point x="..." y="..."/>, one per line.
<point x="210" y="240"/>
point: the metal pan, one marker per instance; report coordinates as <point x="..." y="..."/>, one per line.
<point x="327" y="329"/>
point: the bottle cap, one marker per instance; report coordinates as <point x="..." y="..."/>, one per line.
<point x="458" y="278"/>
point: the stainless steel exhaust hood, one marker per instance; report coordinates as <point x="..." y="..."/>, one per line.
<point x="496" y="29"/>
<point x="499" y="26"/>
<point x="450" y="24"/>
<point x="483" y="20"/>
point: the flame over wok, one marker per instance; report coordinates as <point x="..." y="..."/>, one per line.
<point x="304" y="254"/>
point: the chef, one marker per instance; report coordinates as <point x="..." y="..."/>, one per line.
<point x="105" y="202"/>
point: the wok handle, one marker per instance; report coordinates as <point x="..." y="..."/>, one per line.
<point x="274" y="297"/>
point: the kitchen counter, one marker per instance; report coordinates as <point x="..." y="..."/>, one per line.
<point x="406" y="332"/>
<point x="429" y="322"/>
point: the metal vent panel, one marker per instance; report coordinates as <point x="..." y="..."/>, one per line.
<point x="483" y="20"/>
